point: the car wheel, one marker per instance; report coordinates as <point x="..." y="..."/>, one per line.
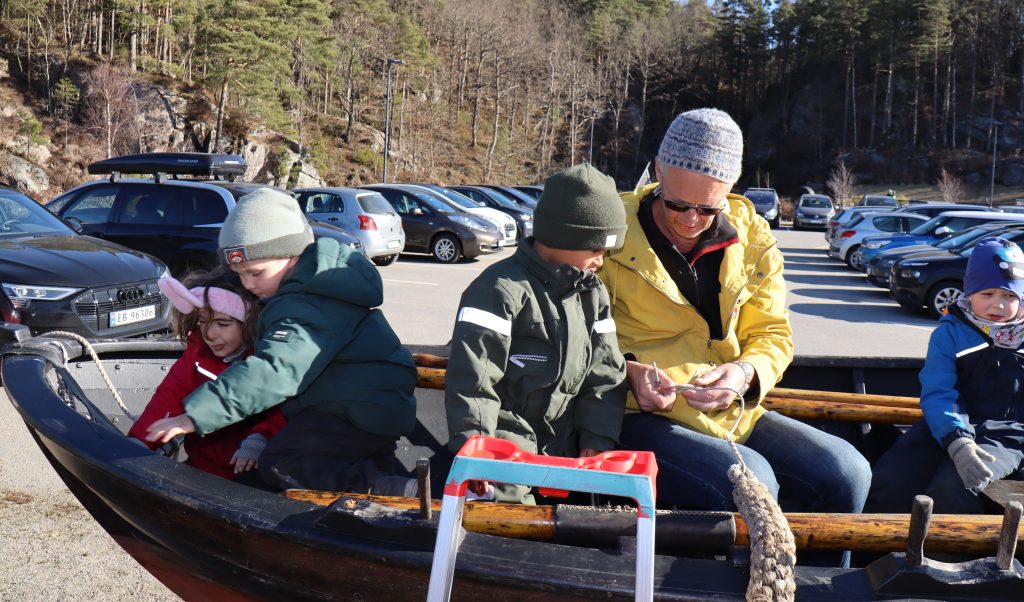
<point x="854" y="259"/>
<point x="446" y="248"/>
<point x="941" y="295"/>
<point x="385" y="259"/>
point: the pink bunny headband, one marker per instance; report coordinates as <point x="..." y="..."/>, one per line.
<point x="186" y="300"/>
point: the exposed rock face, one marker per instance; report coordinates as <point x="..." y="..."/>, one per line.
<point x="22" y="175"/>
<point x="160" y="119"/>
<point x="23" y="147"/>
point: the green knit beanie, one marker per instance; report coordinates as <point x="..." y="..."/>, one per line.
<point x="264" y="224"/>
<point x="579" y="210"/>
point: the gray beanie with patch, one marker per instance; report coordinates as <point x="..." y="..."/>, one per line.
<point x="580" y="210"/>
<point x="705" y="141"/>
<point x="264" y="224"/>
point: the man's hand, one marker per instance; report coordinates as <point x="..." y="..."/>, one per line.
<point x="970" y="460"/>
<point x="165" y="429"/>
<point x="651" y="387"/>
<point x="727" y="375"/>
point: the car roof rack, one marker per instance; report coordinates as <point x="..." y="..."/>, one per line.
<point x="212" y="165"/>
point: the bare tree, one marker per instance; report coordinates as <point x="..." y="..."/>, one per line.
<point x="110" y="108"/>
<point x="841" y="184"/>
<point x="951" y="187"/>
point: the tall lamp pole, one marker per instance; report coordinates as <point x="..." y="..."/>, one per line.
<point x="387" y="116"/>
<point x="995" y="145"/>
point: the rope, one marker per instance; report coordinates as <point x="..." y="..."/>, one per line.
<point x="772" y="549"/>
<point x="96" y="358"/>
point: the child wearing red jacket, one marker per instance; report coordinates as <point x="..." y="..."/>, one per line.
<point x="216" y="317"/>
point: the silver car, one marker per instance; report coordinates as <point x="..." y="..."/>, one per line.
<point x="363" y="213"/>
<point x="813" y="211"/>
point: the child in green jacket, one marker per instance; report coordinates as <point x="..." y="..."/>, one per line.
<point x="323" y="354"/>
<point x="534" y="355"/>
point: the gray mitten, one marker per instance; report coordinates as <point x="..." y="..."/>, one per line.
<point x="251" y="447"/>
<point x="970" y="463"/>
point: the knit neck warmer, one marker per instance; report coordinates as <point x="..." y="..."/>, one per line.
<point x="1009" y="334"/>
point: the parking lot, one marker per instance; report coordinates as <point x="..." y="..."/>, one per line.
<point x="835" y="311"/>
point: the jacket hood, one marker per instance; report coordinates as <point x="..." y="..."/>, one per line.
<point x="330" y="269"/>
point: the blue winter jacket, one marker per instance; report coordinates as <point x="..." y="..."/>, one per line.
<point x="967" y="380"/>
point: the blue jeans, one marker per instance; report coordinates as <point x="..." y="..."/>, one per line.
<point x="807" y="470"/>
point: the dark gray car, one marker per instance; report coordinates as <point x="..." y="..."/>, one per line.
<point x="363" y="213"/>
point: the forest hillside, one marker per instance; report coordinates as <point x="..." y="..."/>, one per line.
<point x="910" y="92"/>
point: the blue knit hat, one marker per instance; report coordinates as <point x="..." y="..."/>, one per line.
<point x="706" y="141"/>
<point x="995" y="263"/>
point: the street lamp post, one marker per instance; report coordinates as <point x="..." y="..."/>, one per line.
<point x="387" y="116"/>
<point x="995" y="145"/>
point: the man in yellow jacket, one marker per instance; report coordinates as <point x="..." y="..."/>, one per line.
<point x="697" y="289"/>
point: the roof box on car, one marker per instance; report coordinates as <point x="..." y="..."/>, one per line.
<point x="187" y="164"/>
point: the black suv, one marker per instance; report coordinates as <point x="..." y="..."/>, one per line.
<point x="53" y="278"/>
<point x="766" y="203"/>
<point x="176" y="220"/>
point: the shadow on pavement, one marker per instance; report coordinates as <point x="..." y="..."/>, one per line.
<point x="861" y="294"/>
<point x="820" y="279"/>
<point x="865" y="313"/>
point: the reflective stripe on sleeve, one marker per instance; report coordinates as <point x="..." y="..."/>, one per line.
<point x="972" y="349"/>
<point x="485" y="319"/>
<point x="605" y="326"/>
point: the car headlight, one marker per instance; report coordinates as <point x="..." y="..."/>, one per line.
<point x="876" y="244"/>
<point x="771" y="213"/>
<point x="469" y="222"/>
<point x="911" y="274"/>
<point x="21" y="294"/>
<point x="165" y="273"/>
<point x="527" y="217"/>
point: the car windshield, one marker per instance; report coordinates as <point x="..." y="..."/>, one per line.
<point x="21" y="216"/>
<point x="519" y="196"/>
<point x="928" y="226"/>
<point x="433" y="203"/>
<point x="505" y="201"/>
<point x="817" y="202"/>
<point x="456" y="197"/>
<point x="373" y="202"/>
<point x="963" y="238"/>
<point x="880" y="201"/>
<point x="760" y="196"/>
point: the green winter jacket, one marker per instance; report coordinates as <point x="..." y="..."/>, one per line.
<point x="321" y="346"/>
<point x="535" y="360"/>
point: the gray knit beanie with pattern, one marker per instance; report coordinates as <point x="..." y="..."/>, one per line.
<point x="580" y="210"/>
<point x="264" y="224"/>
<point x="706" y="141"/>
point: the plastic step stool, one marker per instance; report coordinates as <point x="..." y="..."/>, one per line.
<point x="621" y="473"/>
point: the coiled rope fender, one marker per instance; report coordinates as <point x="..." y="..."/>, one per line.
<point x="95" y="358"/>
<point x="772" y="549"/>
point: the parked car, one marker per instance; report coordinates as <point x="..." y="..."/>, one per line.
<point x="879" y="267"/>
<point x="844" y="215"/>
<point x="515" y="194"/>
<point x="813" y="211"/>
<point x="846" y="245"/>
<point x="766" y="203"/>
<point x="938" y="227"/>
<point x="534" y="191"/>
<point x="363" y="213"/>
<point x="878" y="200"/>
<point x="935" y="279"/>
<point x="504" y="222"/>
<point x="438" y="228"/>
<point x="54" y="278"/>
<point x="496" y="200"/>
<point x="932" y="209"/>
<point x="175" y="220"/>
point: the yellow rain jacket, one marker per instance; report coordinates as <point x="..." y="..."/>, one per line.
<point x="656" y="323"/>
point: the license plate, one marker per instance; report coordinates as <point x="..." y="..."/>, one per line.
<point x="131" y="316"/>
<point x="392" y="244"/>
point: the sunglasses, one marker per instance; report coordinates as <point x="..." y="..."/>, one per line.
<point x="682" y="207"/>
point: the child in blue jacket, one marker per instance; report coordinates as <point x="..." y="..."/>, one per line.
<point x="972" y="395"/>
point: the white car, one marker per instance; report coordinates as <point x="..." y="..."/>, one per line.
<point x="845" y="215"/>
<point x="502" y="221"/>
<point x="846" y="244"/>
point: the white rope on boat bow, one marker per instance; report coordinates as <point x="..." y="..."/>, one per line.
<point x="96" y="358"/>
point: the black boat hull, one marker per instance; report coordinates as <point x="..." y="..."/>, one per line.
<point x="205" y="537"/>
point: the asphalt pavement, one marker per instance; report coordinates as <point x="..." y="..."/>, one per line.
<point x="52" y="550"/>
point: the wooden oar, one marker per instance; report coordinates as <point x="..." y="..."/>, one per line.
<point x="842" y="397"/>
<point x="947" y="533"/>
<point x="810" y="408"/>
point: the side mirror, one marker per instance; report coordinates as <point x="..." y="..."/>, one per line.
<point x="943" y="231"/>
<point x="75" y="224"/>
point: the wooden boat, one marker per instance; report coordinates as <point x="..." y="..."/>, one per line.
<point x="206" y="537"/>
